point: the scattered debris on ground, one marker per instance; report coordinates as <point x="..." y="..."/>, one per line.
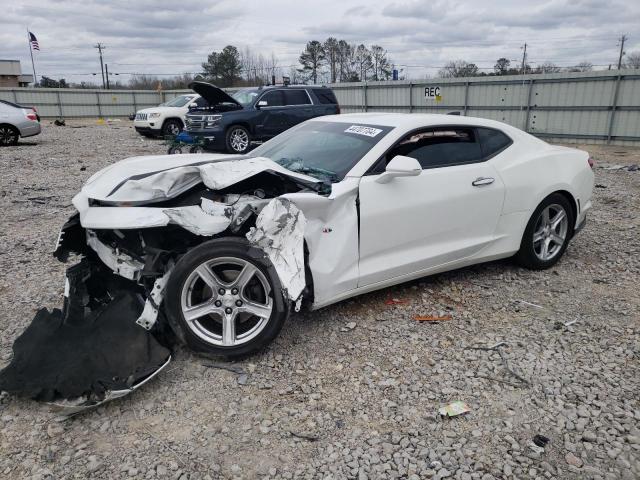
<point x="368" y="398"/>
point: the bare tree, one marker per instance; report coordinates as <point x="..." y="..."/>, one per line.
<point x="381" y="63"/>
<point x="632" y="60"/>
<point x="547" y="67"/>
<point x="363" y="62"/>
<point x="502" y="66"/>
<point x="331" y="46"/>
<point x="347" y="62"/>
<point x="458" y="68"/>
<point x="581" y="67"/>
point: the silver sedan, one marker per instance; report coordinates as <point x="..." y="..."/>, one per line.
<point x="17" y="121"/>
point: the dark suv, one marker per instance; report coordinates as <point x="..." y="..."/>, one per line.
<point x="232" y="122"/>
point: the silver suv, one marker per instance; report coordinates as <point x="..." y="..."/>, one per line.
<point x="17" y="121"/>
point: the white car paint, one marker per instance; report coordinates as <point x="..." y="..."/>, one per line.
<point x="153" y="118"/>
<point x="366" y="234"/>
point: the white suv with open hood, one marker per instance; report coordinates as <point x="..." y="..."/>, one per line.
<point x="168" y="118"/>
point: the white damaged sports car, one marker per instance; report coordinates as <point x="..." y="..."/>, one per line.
<point x="215" y="250"/>
<point x="332" y="208"/>
<point x="221" y="247"/>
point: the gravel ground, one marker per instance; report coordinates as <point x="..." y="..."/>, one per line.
<point x="352" y="390"/>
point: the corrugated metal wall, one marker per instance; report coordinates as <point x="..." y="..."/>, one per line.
<point x="78" y="103"/>
<point x="594" y="107"/>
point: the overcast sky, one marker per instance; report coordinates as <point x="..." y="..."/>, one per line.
<point x="168" y="36"/>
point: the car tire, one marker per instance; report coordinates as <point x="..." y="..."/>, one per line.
<point x="9" y="135"/>
<point x="547" y="234"/>
<point x="212" y="312"/>
<point x="172" y="126"/>
<point x="238" y="139"/>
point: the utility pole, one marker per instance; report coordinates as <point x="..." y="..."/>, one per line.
<point x="623" y="38"/>
<point x="524" y="58"/>
<point x="101" y="47"/>
<point x="106" y="71"/>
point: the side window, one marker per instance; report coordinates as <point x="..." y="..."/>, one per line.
<point x="273" y="98"/>
<point x="296" y="97"/>
<point x="492" y="141"/>
<point x="440" y="147"/>
<point x="325" y="96"/>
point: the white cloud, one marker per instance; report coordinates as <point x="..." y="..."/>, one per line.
<point x="164" y="36"/>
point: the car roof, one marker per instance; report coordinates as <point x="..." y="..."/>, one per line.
<point x="271" y="87"/>
<point x="410" y="121"/>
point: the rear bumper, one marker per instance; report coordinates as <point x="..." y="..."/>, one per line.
<point x="30" y="129"/>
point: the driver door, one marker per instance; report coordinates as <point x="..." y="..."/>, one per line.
<point x="447" y="213"/>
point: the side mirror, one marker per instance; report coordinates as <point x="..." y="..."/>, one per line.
<point x="400" y="166"/>
<point x="261" y="103"/>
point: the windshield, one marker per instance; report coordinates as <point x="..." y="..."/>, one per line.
<point x="324" y="150"/>
<point x="180" y="101"/>
<point x="245" y="97"/>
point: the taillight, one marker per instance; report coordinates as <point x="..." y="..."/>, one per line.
<point x="32" y="116"/>
<point x="591" y="162"/>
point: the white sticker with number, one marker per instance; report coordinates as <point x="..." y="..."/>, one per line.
<point x="360" y="130"/>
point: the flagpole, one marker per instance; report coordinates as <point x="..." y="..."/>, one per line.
<point x="33" y="65"/>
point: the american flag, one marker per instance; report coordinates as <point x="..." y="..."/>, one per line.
<point x="34" y="41"/>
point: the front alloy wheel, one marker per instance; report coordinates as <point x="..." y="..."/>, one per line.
<point x="226" y="301"/>
<point x="238" y="139"/>
<point x="224" y="298"/>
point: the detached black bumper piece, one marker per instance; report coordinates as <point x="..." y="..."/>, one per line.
<point x="89" y="349"/>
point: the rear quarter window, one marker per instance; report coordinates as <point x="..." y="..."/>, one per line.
<point x="325" y="96"/>
<point x="296" y="97"/>
<point x="492" y="141"/>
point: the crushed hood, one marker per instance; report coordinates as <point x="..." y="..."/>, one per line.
<point x="212" y="94"/>
<point x="142" y="180"/>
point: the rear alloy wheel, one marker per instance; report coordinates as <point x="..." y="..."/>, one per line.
<point x="172" y="127"/>
<point x="238" y="139"/>
<point x="8" y="135"/>
<point x="547" y="234"/>
<point x="222" y="301"/>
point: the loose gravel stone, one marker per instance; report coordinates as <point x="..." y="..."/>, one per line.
<point x="361" y="381"/>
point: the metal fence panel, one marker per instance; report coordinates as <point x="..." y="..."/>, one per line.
<point x="599" y="106"/>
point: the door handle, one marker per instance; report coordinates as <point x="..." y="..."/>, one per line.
<point x="480" y="181"/>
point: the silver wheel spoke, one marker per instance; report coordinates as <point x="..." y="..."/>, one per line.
<point x="198" y="311"/>
<point x="229" y="329"/>
<point x="210" y="278"/>
<point x="537" y="237"/>
<point x="545" y="248"/>
<point x="557" y="219"/>
<point x="545" y="216"/>
<point x="262" y="311"/>
<point x="557" y="239"/>
<point x="244" y="276"/>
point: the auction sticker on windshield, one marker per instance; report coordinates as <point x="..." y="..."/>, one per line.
<point x="360" y="130"/>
